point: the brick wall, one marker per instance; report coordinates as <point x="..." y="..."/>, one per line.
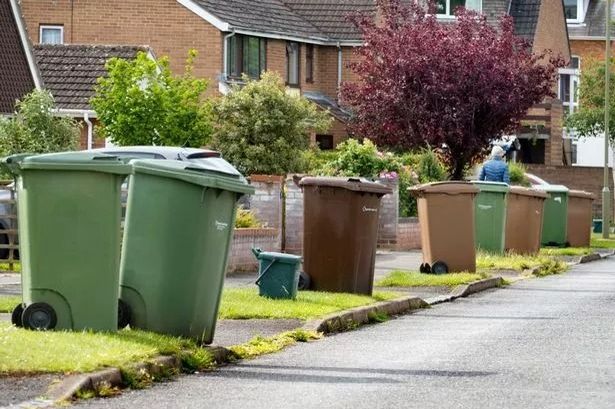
<point x="576" y="177"/>
<point x="588" y="50"/>
<point x="550" y="114"/>
<point x="266" y="202"/>
<point x="165" y="25"/>
<point x="551" y="32"/>
<point x="83" y="137"/>
<point x="388" y="216"/>
<point x="408" y="234"/>
<point x="293" y="232"/>
<point x="241" y="257"/>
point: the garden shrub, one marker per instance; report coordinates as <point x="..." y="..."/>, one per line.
<point x="246" y="219"/>
<point x="517" y="174"/>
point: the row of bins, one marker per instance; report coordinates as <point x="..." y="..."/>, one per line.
<point x="459" y="217"/>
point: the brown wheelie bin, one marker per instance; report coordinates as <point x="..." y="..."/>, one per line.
<point x="524" y="214"/>
<point x="446" y="216"/>
<point x="340" y="232"/>
<point x="579" y="218"/>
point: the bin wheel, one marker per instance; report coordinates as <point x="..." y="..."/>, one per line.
<point x="16" y="316"/>
<point x="439" y="267"/>
<point x="39" y="316"/>
<point x="425" y="268"/>
<point x="304" y="281"/>
<point x="124" y="314"/>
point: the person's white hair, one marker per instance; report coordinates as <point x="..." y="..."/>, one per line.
<point x="497" y="152"/>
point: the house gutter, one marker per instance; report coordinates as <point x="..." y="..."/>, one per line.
<point x="86" y="118"/>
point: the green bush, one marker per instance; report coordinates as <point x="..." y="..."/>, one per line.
<point x="261" y="129"/>
<point x="245" y="219"/>
<point x="517" y="174"/>
<point x="430" y="168"/>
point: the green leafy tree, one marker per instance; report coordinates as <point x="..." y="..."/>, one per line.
<point x="36" y="129"/>
<point x="262" y="129"/>
<point x="140" y="102"/>
<point x="588" y="120"/>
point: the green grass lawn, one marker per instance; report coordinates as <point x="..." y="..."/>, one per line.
<point x="547" y="264"/>
<point x="7" y="303"/>
<point x="245" y="303"/>
<point x="28" y="352"/>
<point x="565" y="251"/>
<point x="16" y="267"/>
<point x="598" y="242"/>
<point x="413" y="279"/>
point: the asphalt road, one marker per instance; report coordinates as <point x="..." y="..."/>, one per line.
<point x="542" y="343"/>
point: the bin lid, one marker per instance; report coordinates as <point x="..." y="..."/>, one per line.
<point x="282" y="257"/>
<point x="450" y="187"/>
<point x="355" y="184"/>
<point x="552" y="188"/>
<point x="524" y="191"/>
<point x="79" y="161"/>
<point x="582" y="194"/>
<point x="216" y="174"/>
<point x="485" y="186"/>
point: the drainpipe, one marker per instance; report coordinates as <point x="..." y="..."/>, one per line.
<point x="225" y="56"/>
<point x="86" y="118"/>
<point x="339" y="65"/>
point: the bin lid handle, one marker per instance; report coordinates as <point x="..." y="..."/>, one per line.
<point x="262" y="274"/>
<point x="105" y="157"/>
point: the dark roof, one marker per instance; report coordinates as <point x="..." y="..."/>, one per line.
<point x="70" y="72"/>
<point x="264" y="16"/>
<point x="594" y="23"/>
<point x="327" y="20"/>
<point x="525" y="16"/>
<point x="331" y="16"/>
<point x="16" y="77"/>
<point x="328" y="104"/>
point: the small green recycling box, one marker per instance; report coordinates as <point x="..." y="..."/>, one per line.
<point x="178" y="230"/>
<point x="278" y="275"/>
<point x="69" y="214"/>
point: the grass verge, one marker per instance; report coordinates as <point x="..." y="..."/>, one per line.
<point x="4" y="267"/>
<point x="545" y="264"/>
<point x="245" y="303"/>
<point x="412" y="279"/>
<point x="28" y="352"/>
<point x="598" y="242"/>
<point x="261" y="345"/>
<point x="8" y="302"/>
<point x="565" y="251"/>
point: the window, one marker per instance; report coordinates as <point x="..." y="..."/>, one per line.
<point x="324" y="142"/>
<point x="309" y="63"/>
<point x="292" y="63"/>
<point x="246" y="55"/>
<point x="447" y="7"/>
<point x="574" y="153"/>
<point x="569" y="85"/>
<point x="573" y="9"/>
<point x="51" y="35"/>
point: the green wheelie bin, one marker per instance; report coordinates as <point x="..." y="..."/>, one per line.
<point x="555" y="221"/>
<point x="69" y="213"/>
<point x="177" y="234"/>
<point x="490" y="216"/>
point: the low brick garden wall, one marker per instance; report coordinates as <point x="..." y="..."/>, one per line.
<point x="408" y="234"/>
<point x="241" y="257"/>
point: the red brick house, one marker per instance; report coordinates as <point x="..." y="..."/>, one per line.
<point x="309" y="42"/>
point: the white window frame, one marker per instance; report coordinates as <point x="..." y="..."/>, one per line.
<point x="580" y="13"/>
<point x="570" y="105"/>
<point x="448" y="13"/>
<point x="50" y="27"/>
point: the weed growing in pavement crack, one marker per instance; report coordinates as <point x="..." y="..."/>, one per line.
<point x="266" y="345"/>
<point x="377" y="316"/>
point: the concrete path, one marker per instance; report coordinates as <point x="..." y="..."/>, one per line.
<point x="541" y="343"/>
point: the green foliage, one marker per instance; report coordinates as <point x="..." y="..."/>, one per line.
<point x="35" y="129"/>
<point x="260" y="345"/>
<point x="430" y="168"/>
<point x="413" y="279"/>
<point x="588" y="119"/>
<point x="362" y="159"/>
<point x="141" y="102"/>
<point x="9" y="302"/>
<point x="377" y="317"/>
<point x="597" y="242"/>
<point x="263" y="130"/>
<point x="246" y="219"/>
<point x="517" y="173"/>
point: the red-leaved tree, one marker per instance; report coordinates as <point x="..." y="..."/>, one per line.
<point x="453" y="86"/>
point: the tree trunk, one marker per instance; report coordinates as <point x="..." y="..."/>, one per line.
<point x="458" y="170"/>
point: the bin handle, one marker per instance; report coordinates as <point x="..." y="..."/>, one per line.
<point x="265" y="271"/>
<point x="106" y="157"/>
<point x="257" y="251"/>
